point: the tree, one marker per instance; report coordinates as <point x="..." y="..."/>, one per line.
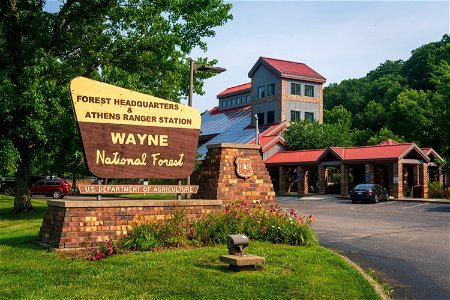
<point x="373" y="117"/>
<point x="305" y="135"/>
<point x="383" y="135"/>
<point x="421" y="66"/>
<point x="338" y="115"/>
<point x="135" y="44"/>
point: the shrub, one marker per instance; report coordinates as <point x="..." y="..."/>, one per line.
<point x="106" y="248"/>
<point x="436" y="190"/>
<point x="145" y="235"/>
<point x="258" y="223"/>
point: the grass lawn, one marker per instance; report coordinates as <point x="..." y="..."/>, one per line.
<point x="30" y="272"/>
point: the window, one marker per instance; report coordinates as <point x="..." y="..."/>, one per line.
<point x="270" y="117"/>
<point x="228" y="102"/>
<point x="271" y="89"/>
<point x="296" y="89"/>
<point x="260" y="118"/>
<point x="309" y="116"/>
<point x="295" y="115"/>
<point x="309" y="90"/>
<point x="247" y="99"/>
<point x="261" y="92"/>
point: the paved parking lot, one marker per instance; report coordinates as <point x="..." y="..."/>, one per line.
<point x="405" y="243"/>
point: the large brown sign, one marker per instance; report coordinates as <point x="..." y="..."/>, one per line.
<point x="127" y="134"/>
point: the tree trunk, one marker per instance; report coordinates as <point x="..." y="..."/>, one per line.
<point x="22" y="200"/>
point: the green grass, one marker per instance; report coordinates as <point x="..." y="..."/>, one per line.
<point x="30" y="272"/>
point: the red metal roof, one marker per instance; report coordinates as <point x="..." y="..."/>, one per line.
<point x="271" y="136"/>
<point x="238" y="89"/>
<point x="388" y="142"/>
<point x="215" y="110"/>
<point x="392" y="152"/>
<point x="376" y="152"/>
<point x="288" y="69"/>
<point x="431" y="152"/>
<point x="295" y="157"/>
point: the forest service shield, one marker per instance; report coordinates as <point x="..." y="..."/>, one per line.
<point x="244" y="167"/>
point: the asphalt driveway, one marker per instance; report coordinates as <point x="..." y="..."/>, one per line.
<point x="406" y="243"/>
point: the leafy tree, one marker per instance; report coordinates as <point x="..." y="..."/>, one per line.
<point x="415" y="115"/>
<point x="304" y="135"/>
<point x="338" y="115"/>
<point x="135" y="44"/>
<point x="383" y="135"/>
<point x="8" y="158"/>
<point x="373" y="117"/>
<point x="420" y="68"/>
<point x="349" y="93"/>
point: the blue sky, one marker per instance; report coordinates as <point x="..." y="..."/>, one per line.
<point x="338" y="39"/>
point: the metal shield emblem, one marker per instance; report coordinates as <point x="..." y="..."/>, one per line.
<point x="244" y="167"/>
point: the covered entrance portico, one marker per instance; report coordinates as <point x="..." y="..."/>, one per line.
<point x="400" y="168"/>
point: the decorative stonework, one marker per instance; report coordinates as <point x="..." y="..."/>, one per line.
<point x="219" y="179"/>
<point x="77" y="224"/>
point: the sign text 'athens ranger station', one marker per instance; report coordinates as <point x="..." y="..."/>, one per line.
<point x="127" y="134"/>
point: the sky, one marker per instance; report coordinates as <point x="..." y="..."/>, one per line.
<point x="338" y="39"/>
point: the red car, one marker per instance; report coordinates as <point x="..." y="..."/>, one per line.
<point x="56" y="188"/>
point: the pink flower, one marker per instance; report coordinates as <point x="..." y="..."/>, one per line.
<point x="99" y="256"/>
<point x="109" y="251"/>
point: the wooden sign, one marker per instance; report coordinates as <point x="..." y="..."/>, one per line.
<point x="137" y="189"/>
<point x="127" y="134"/>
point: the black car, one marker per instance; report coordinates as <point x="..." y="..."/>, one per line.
<point x="369" y="192"/>
<point x="8" y="184"/>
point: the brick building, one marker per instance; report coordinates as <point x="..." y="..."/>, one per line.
<point x="282" y="91"/>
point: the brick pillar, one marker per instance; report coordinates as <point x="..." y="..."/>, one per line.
<point x="303" y="180"/>
<point x="323" y="174"/>
<point x="398" y="173"/>
<point x="369" y="173"/>
<point x="282" y="179"/>
<point x="219" y="179"/>
<point x="424" y="178"/>
<point x="344" y="180"/>
<point x="416" y="175"/>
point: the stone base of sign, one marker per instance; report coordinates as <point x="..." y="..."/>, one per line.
<point x="80" y="224"/>
<point x="218" y="178"/>
<point x="243" y="262"/>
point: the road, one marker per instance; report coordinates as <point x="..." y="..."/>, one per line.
<point x="405" y="243"/>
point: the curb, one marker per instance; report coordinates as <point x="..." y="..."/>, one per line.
<point x="371" y="281"/>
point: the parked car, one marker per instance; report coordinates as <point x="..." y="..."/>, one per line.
<point x="369" y="192"/>
<point x="8" y="184"/>
<point x="56" y="188"/>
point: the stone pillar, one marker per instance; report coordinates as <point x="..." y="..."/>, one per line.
<point x="344" y="180"/>
<point x="219" y="178"/>
<point x="398" y="174"/>
<point x="424" y="179"/>
<point x="303" y="180"/>
<point x="369" y="173"/>
<point x="323" y="177"/>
